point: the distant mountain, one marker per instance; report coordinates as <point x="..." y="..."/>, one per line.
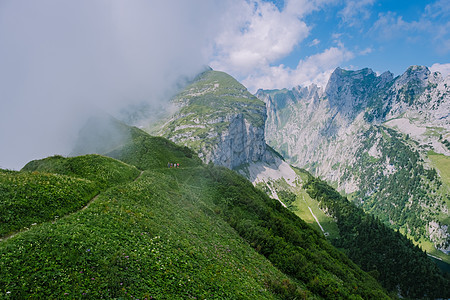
<point x="218" y="118"/>
<point x="383" y="141"/>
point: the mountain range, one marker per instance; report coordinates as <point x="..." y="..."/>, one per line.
<point x="240" y="218"/>
<point x="382" y="141"/>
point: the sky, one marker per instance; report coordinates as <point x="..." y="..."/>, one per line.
<point x="60" y="60"/>
<point x="276" y="44"/>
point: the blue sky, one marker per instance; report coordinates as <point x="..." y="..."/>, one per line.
<point x="379" y="34"/>
<point x="406" y="46"/>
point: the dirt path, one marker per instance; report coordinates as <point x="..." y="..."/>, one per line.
<point x="2" y="239"/>
<point x="314" y="216"/>
<point x="139" y="176"/>
<point x="318" y="223"/>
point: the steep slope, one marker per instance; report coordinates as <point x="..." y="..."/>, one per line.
<point x="369" y="136"/>
<point x="286" y="185"/>
<point x="188" y="232"/>
<point x="55" y="186"/>
<point x="387" y="255"/>
<point x="219" y="119"/>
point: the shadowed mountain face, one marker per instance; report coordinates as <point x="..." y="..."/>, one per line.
<point x="374" y="138"/>
<point x="100" y="135"/>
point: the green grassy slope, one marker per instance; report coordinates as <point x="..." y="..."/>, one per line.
<point x="32" y="197"/>
<point x="442" y="163"/>
<point x="177" y="233"/>
<point x="143" y="239"/>
<point x="145" y="152"/>
<point x="103" y="170"/>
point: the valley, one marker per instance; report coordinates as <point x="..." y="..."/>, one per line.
<point x="371" y="136"/>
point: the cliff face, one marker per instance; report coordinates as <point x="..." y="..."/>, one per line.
<point x="370" y="136"/>
<point x="217" y="117"/>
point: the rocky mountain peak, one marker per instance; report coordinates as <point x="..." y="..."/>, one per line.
<point x="348" y="92"/>
<point x="416" y="74"/>
<point x="219" y="119"/>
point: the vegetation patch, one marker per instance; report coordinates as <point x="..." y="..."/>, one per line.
<point x="388" y="255"/>
<point x="28" y="198"/>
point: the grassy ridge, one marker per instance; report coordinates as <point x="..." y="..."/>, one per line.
<point x="103" y="170"/>
<point x="32" y="197"/>
<point x="188" y="233"/>
<point x="143" y="239"/>
<point x="148" y="152"/>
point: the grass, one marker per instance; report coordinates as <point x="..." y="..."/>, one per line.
<point x="301" y="209"/>
<point x="442" y="164"/>
<point x="55" y="186"/>
<point x="28" y="198"/>
<point x="197" y="232"/>
<point x="103" y="170"/>
<point x="148" y="238"/>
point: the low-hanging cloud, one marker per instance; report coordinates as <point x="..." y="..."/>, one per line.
<point x="61" y="59"/>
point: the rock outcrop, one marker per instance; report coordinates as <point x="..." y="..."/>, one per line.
<point x="217" y="117"/>
<point x="369" y="135"/>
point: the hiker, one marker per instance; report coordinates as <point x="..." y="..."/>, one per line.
<point x="178" y="165"/>
<point x="168" y="164"/>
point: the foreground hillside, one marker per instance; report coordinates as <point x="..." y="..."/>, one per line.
<point x="191" y="232"/>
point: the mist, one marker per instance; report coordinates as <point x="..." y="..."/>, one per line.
<point x="61" y="61"/>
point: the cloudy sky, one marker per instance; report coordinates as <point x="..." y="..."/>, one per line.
<point x="61" y="59"/>
<point x="274" y="44"/>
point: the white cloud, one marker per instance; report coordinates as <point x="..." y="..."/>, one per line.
<point x="355" y="11"/>
<point x="366" y="51"/>
<point x="444" y="69"/>
<point x="257" y="33"/>
<point x="314" y="69"/>
<point x="314" y="42"/>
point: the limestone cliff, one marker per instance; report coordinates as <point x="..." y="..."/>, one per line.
<point x="217" y="117"/>
<point x="370" y="135"/>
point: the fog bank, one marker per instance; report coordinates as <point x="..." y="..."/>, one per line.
<point x="62" y="60"/>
